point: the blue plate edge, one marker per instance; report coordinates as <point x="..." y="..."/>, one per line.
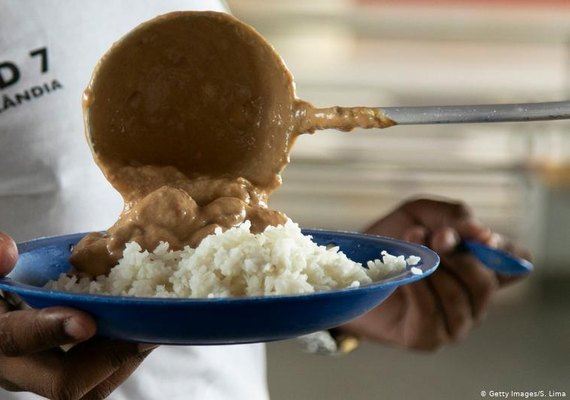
<point x="394" y="281"/>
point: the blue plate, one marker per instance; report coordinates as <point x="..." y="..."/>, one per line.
<point x="214" y="321"/>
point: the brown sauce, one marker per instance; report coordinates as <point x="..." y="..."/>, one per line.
<point x="191" y="117"/>
<point x="167" y="206"/>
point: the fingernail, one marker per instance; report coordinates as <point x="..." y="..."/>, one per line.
<point x="8" y="254"/>
<point x="494" y="240"/>
<point x="450" y="240"/>
<point x="416" y="234"/>
<point x="144" y="347"/>
<point x="75" y="329"/>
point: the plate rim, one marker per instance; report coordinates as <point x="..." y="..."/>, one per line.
<point x="7" y="283"/>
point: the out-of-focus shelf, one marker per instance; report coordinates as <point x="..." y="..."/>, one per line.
<point x="390" y="53"/>
<point x="527" y="22"/>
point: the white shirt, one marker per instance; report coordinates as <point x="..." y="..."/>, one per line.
<point x="49" y="183"/>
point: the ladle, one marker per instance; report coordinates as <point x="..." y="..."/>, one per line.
<point x="206" y="93"/>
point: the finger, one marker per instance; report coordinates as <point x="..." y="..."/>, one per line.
<point x="435" y="214"/>
<point x="4" y="305"/>
<point x="105" y="388"/>
<point x="506" y="280"/>
<point x="384" y="322"/>
<point x="424" y="326"/>
<point x="479" y="282"/>
<point x="8" y="254"/>
<point x="58" y="375"/>
<point x="104" y="358"/>
<point x="31" y="373"/>
<point x="9" y="386"/>
<point x="29" y="331"/>
<point x="444" y="240"/>
<point x="454" y="303"/>
<point x="416" y="234"/>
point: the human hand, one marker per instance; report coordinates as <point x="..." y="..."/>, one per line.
<point x="31" y="357"/>
<point x="444" y="307"/>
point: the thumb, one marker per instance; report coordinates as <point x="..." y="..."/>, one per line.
<point x="8" y="254"/>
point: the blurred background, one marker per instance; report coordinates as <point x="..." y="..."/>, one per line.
<point x="515" y="176"/>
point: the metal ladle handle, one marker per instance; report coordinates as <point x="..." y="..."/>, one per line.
<point x="478" y="113"/>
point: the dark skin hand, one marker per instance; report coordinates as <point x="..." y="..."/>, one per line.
<point x="444" y="307"/>
<point x="32" y="360"/>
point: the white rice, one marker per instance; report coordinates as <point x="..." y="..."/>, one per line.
<point x="281" y="260"/>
